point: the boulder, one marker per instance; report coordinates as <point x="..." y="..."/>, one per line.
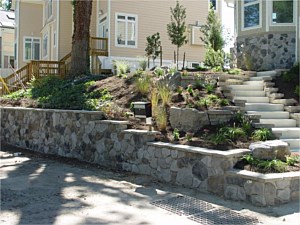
<point x="268" y="150"/>
<point x="188" y="120"/>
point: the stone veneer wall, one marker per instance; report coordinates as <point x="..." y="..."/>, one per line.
<point x="267" y="52"/>
<point x="83" y="135"/>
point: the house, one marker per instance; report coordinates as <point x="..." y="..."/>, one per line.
<point x="267" y="33"/>
<point x="7" y="27"/>
<point x="118" y="27"/>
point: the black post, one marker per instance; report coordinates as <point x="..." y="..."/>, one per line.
<point x="174" y="57"/>
<point x="160" y="49"/>
<point x="183" y="61"/>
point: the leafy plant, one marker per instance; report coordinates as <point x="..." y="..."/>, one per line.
<point x="234" y="71"/>
<point x="292" y="160"/>
<point x="214" y="59"/>
<point x="179" y="90"/>
<point x="159" y="71"/>
<point x="143" y="84"/>
<point x="262" y="134"/>
<point x="122" y="67"/>
<point x="189" y="136"/>
<point x="177" y="28"/>
<point x="165" y="94"/>
<point x="218" y="138"/>
<point x="176" y="134"/>
<point x="209" y="88"/>
<point x="297" y="90"/>
<point x="233" y="133"/>
<point x="190" y="90"/>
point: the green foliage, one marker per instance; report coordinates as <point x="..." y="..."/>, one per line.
<point x="212" y="32"/>
<point x="266" y="165"/>
<point x="243" y="121"/>
<point x="190" y="89"/>
<point x="234" y="71"/>
<point x="153" y="46"/>
<point x="143" y="84"/>
<point x="292" y="160"/>
<point x="53" y="92"/>
<point x="18" y="94"/>
<point x="179" y="90"/>
<point x="297" y="90"/>
<point x="122" y="67"/>
<point x="218" y="138"/>
<point x="214" y="58"/>
<point x="177" y="28"/>
<point x="209" y="88"/>
<point x="176" y="134"/>
<point x="189" y="136"/>
<point x="233" y="133"/>
<point x="159" y="71"/>
<point x="262" y="134"/>
<point x="211" y="101"/>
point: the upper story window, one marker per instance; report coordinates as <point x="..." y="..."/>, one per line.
<point x="282" y="11"/>
<point x="126" y="30"/>
<point x="31" y="48"/>
<point x="45" y="45"/>
<point x="251" y="13"/>
<point x="48" y="9"/>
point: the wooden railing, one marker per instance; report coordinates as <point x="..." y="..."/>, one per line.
<point x="39" y="68"/>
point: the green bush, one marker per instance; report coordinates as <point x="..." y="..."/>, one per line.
<point x="262" y="134"/>
<point x="143" y="84"/>
<point x="233" y="133"/>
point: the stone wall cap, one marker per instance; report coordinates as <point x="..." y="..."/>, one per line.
<point x="134" y="131"/>
<point x="265" y="177"/>
<point x="52" y="110"/>
<point x="121" y="122"/>
<point x="204" y="151"/>
<point x="220" y="112"/>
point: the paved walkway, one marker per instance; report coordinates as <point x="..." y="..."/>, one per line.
<point x="39" y="189"/>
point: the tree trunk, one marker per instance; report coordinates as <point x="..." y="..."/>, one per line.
<point x="177" y="57"/>
<point x="80" y="61"/>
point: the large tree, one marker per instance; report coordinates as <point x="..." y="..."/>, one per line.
<point x="80" y="61"/>
<point x="177" y="28"/>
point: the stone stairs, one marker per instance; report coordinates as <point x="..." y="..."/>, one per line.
<point x="261" y="99"/>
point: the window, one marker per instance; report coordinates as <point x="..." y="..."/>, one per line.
<point x="8" y="60"/>
<point x="48" y="9"/>
<point x="31" y="48"/>
<point x="126" y="30"/>
<point x="282" y="11"/>
<point x="251" y="13"/>
<point x="213" y="3"/>
<point x="45" y="45"/>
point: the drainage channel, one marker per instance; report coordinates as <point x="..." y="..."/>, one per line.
<point x="203" y="212"/>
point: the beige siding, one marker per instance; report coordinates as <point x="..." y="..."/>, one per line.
<point x="298" y="31"/>
<point x="65" y="28"/>
<point x="29" y="25"/>
<point x="153" y="16"/>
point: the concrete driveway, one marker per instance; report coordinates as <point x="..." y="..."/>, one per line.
<point x="41" y="189"/>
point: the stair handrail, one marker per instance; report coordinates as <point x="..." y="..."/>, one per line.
<point x="17" y="76"/>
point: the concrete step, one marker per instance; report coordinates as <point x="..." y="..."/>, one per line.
<point x="253" y="99"/>
<point x="279" y="122"/>
<point x="262" y="78"/>
<point x="249" y="93"/>
<point x="293" y="143"/>
<point x="286" y="102"/>
<point x="259" y="82"/>
<point x="271" y="115"/>
<point x="247" y="87"/>
<point x="292" y="109"/>
<point x="287" y="132"/>
<point x="271" y="73"/>
<point x="263" y="107"/>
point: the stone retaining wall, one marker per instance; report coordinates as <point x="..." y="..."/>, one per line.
<point x="268" y="51"/>
<point x="83" y="135"/>
<point x="262" y="189"/>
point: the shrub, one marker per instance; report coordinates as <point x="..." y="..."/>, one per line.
<point x="122" y="67"/>
<point x="159" y="71"/>
<point x="143" y="84"/>
<point x="176" y="134"/>
<point x="218" y="138"/>
<point x="189" y="136"/>
<point x="209" y="88"/>
<point x="233" y="133"/>
<point x="262" y="134"/>
<point x="292" y="160"/>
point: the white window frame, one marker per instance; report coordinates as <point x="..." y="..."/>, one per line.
<point x="126" y="29"/>
<point x="281" y="24"/>
<point x="24" y="42"/>
<point x="48" y="9"/>
<point x="243" y="14"/>
<point x="45" y="49"/>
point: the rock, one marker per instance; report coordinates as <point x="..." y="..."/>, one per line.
<point x="268" y="150"/>
<point x="188" y="120"/>
<point x="171" y="80"/>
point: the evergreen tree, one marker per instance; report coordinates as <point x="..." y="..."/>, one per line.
<point x="177" y="28"/>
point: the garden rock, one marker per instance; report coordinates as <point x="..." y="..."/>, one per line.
<point x="188" y="120"/>
<point x="171" y="80"/>
<point x="268" y="150"/>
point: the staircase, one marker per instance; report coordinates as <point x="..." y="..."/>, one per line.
<point x="262" y="99"/>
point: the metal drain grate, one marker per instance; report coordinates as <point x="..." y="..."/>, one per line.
<point x="183" y="205"/>
<point x="222" y="216"/>
<point x="203" y="212"/>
